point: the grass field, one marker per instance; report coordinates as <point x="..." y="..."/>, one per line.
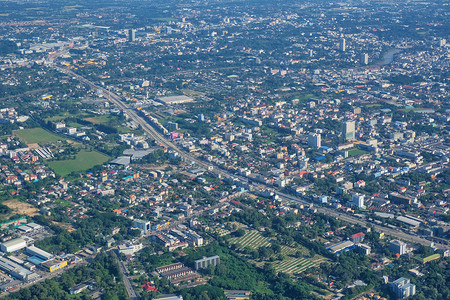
<point x="356" y="152"/>
<point x="84" y="161"/>
<point x="37" y="136"/>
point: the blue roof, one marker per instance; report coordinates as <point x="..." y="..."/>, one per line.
<point x="35" y="260"/>
<point x="319" y="158"/>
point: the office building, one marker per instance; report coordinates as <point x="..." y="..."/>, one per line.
<point x="315" y="140"/>
<point x="364" y="59"/>
<point x="342" y="45"/>
<point x="358" y="200"/>
<point x="403" y="288"/>
<point x="131" y="35"/>
<point x="397" y="246"/>
<point x="348" y="130"/>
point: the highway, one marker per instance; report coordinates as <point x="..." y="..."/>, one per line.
<point x="152" y="132"/>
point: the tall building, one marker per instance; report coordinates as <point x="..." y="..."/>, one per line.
<point x="403" y="288"/>
<point x="131" y="35"/>
<point x="364" y="60"/>
<point x="205" y="262"/>
<point x="315" y="140"/>
<point x="342" y="45"/>
<point x="442" y="42"/>
<point x="358" y="200"/>
<point x="397" y="246"/>
<point x="348" y="130"/>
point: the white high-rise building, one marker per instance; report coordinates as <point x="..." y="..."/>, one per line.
<point x="348" y="130"/>
<point x="397" y="246"/>
<point x="358" y="200"/>
<point x="342" y="45"/>
<point x="364" y="59"/>
<point x="315" y="140"/>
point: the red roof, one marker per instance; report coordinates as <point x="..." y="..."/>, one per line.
<point x="357" y="235"/>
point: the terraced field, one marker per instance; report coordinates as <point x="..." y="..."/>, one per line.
<point x="290" y="265"/>
<point x="293" y="265"/>
<point x="252" y="239"/>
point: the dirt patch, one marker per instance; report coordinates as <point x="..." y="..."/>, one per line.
<point x="93" y="120"/>
<point x="21" y="208"/>
<point x="66" y="226"/>
<point x="34" y="146"/>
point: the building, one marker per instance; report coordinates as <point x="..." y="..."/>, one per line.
<point x="205" y="262"/>
<point x="358" y="200"/>
<point x="35" y="251"/>
<point x="78" y="288"/>
<point x="237" y="294"/>
<point x="174" y="100"/>
<point x="129" y="249"/>
<point x="403" y="288"/>
<point x="397" y="246"/>
<point x="131" y="35"/>
<point x="364" y="59"/>
<point x="428" y="258"/>
<point x="341" y="247"/>
<point x="357" y="237"/>
<point x="169" y="297"/>
<point x="348" y="130"/>
<point x="315" y="140"/>
<point x="13" y="245"/>
<point x="16" y="270"/>
<point x="145" y="226"/>
<point x="363" y="248"/>
<point x="342" y="45"/>
<point x="53" y="265"/>
<point x="442" y="42"/>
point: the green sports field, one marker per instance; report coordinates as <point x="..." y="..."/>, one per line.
<point x="85" y="160"/>
<point x="37" y="136"/>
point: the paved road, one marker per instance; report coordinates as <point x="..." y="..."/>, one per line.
<point x="126" y="281"/>
<point x="350" y="219"/>
<point x="189" y="157"/>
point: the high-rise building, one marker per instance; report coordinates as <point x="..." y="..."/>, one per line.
<point x="397" y="246"/>
<point x="364" y="60"/>
<point x="131" y="35"/>
<point x="342" y="45"/>
<point x="358" y="200"/>
<point x="315" y="140"/>
<point x="348" y="130"/>
<point x="403" y="288"/>
<point x="442" y="42"/>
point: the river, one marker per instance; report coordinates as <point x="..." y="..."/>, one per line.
<point x="388" y="57"/>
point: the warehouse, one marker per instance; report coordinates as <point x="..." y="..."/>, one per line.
<point x="16" y="270"/>
<point x="35" y="251"/>
<point x="340" y="247"/>
<point x="34" y="226"/>
<point x="13" y="245"/>
<point x="174" y="100"/>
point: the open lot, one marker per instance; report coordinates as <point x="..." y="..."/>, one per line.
<point x="37" y="136"/>
<point x="21" y="208"/>
<point x="84" y="160"/>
